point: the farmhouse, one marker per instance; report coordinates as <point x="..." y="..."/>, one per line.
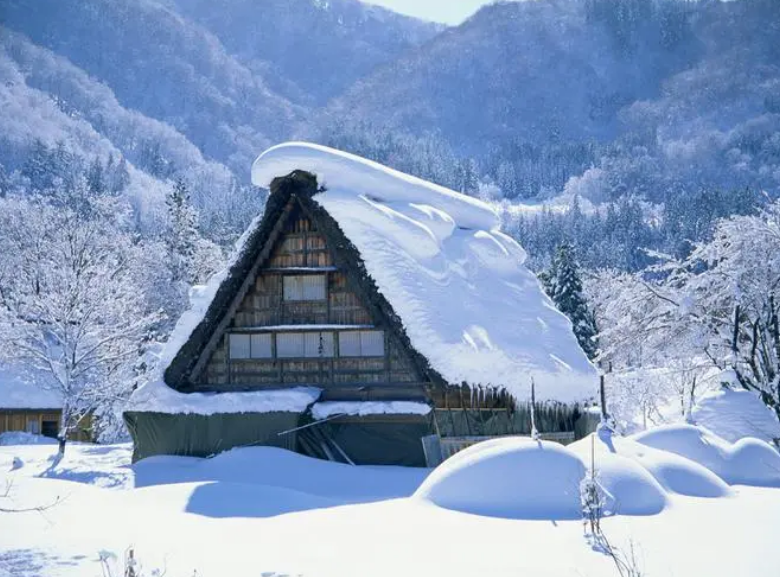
<point x="27" y="407"/>
<point x="368" y="317"/>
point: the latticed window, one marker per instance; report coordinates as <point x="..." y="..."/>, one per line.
<point x="305" y="287"/>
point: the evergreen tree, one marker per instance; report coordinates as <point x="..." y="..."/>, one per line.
<point x="96" y="178"/>
<point x="564" y="285"/>
<point x="5" y="182"/>
<point x="183" y="237"/>
<point x="118" y="176"/>
<point x="38" y="166"/>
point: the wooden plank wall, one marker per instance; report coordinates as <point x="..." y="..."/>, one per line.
<point x="300" y="247"/>
<point x="17" y="420"/>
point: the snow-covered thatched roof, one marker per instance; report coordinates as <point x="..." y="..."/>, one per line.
<point x="449" y="281"/>
<point x="22" y="390"/>
<point x="458" y="284"/>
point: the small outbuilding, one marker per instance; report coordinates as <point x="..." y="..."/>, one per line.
<point x="368" y="317"/>
<point x="26" y="406"/>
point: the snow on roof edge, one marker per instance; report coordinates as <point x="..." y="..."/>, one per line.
<point x="157" y="397"/>
<point x="328" y="409"/>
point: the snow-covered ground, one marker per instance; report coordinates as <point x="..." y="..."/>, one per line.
<point x="268" y="512"/>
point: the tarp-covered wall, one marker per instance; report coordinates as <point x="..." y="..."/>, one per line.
<point x="371" y="440"/>
<point x="382" y="440"/>
<point x="204" y="435"/>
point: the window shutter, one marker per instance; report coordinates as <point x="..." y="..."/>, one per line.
<point x="261" y="346"/>
<point x="349" y="344"/>
<point x="239" y="347"/>
<point x="319" y="345"/>
<point x="289" y="345"/>
<point x="372" y="343"/>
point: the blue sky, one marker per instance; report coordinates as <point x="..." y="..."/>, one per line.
<point x="448" y="11"/>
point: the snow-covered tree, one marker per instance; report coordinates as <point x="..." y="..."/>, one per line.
<point x="564" y="285"/>
<point x="721" y="303"/>
<point x="70" y="306"/>
<point x="192" y="258"/>
<point x="182" y="235"/>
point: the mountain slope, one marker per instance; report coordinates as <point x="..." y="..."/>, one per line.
<point x="655" y="94"/>
<point x="308" y="50"/>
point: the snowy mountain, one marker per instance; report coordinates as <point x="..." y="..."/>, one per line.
<point x="656" y="94"/>
<point x="162" y="61"/>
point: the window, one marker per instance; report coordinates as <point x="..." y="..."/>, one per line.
<point x="289" y="345"/>
<point x="33" y="425"/>
<point x="304" y="345"/>
<point x="361" y="344"/>
<point x="240" y="347"/>
<point x="244" y="346"/>
<point x="305" y="287"/>
<point x="318" y="345"/>
<point x="261" y="347"/>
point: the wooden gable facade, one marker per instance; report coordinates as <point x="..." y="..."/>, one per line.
<point x="301" y="322"/>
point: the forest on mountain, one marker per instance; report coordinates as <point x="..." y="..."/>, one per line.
<point x="631" y="131"/>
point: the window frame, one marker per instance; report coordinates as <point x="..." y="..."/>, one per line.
<point x="300" y="289"/>
<point x="331" y="351"/>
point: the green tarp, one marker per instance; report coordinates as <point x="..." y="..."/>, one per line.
<point x="204" y="435"/>
<point x="381" y="440"/>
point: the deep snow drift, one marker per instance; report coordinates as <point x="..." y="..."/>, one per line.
<point x="521" y="478"/>
<point x="733" y="414"/>
<point x="746" y="462"/>
<point x="265" y="511"/>
<point x="457" y="282"/>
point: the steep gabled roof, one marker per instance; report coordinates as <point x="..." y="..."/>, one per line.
<point x="458" y="284"/>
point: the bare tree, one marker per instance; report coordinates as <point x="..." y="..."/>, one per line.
<point x="70" y="308"/>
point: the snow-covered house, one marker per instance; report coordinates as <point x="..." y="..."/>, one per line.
<point x="26" y="406"/>
<point x="365" y="310"/>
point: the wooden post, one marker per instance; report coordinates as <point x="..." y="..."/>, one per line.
<point x="603" y="397"/>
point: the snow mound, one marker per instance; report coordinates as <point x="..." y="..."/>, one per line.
<point x="22" y="438"/>
<point x="432" y="251"/>
<point x="669" y="472"/>
<point x="274" y="467"/>
<point x="514" y="477"/>
<point x="746" y="462"/>
<point x="735" y="414"/>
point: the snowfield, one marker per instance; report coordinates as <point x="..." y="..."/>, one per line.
<point x="504" y="507"/>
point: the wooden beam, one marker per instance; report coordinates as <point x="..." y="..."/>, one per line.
<point x="208" y="350"/>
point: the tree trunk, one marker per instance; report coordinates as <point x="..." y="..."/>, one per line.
<point x="62" y="435"/>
